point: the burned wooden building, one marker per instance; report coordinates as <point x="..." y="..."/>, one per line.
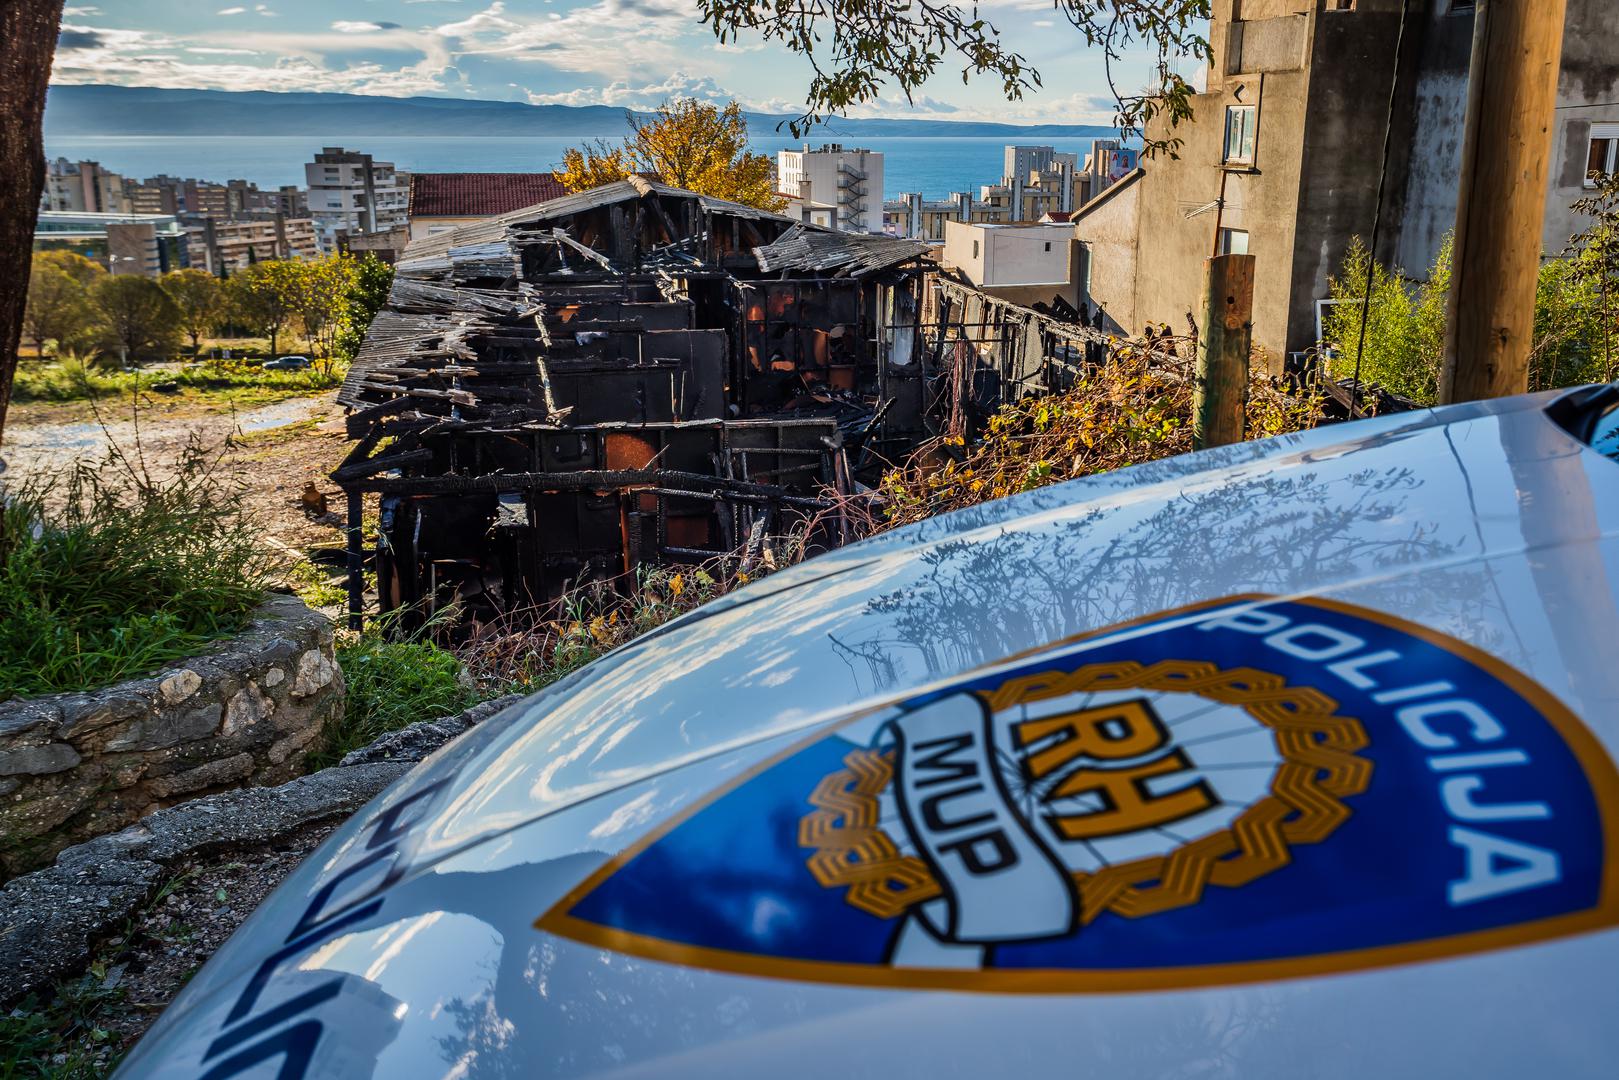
<point x="633" y="374"/>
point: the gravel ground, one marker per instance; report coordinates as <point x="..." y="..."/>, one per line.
<point x="275" y="450"/>
<point x="175" y="935"/>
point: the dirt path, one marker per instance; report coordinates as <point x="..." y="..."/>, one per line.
<point x="275" y="450"/>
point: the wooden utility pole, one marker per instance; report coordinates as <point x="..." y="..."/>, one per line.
<point x="1220" y="394"/>
<point x="1511" y="109"/>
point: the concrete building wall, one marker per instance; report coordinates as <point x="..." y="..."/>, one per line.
<point x="1182" y="215"/>
<point x="1587" y="95"/>
<point x="1350" y="75"/>
<point x="1320" y="80"/>
<point x="1109" y="231"/>
<point x="132" y="248"/>
<point x="964" y="249"/>
<point x="1439" y="115"/>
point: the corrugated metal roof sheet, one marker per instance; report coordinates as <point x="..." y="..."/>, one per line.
<point x="811" y="248"/>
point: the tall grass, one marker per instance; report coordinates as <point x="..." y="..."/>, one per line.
<point x="392" y="683"/>
<point x="111" y="569"/>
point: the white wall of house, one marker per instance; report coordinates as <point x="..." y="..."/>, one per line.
<point x="1009" y="255"/>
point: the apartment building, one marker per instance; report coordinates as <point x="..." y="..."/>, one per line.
<point x="223" y="247"/>
<point x="154" y="195"/>
<point x="1038" y="184"/>
<point x="351" y="192"/>
<point x="83" y="187"/>
<point x="847" y="179"/>
<point x="1035" y="180"/>
<point x="917" y="218"/>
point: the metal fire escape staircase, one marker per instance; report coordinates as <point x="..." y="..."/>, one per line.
<point x="851" y="197"/>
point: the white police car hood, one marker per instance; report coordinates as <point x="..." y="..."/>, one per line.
<point x="1288" y="758"/>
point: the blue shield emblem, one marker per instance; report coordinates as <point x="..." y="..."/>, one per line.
<point x="1253" y="789"/>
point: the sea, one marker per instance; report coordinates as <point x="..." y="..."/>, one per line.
<point x="935" y="166"/>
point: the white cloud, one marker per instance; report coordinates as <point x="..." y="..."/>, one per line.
<point x="620" y="94"/>
<point x="620" y="53"/>
<point x="71" y="12"/>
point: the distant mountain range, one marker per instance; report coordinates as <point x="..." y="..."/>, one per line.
<point x="142" y="110"/>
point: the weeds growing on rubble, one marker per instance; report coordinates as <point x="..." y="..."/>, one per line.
<point x="528" y="650"/>
<point x="1136" y="407"/>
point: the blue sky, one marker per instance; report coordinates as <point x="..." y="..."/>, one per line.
<point x="627" y="53"/>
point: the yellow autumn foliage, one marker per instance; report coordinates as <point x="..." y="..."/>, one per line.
<point x="686" y="144"/>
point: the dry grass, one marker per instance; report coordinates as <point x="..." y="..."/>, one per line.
<point x="1136" y="407"/>
<point x="529" y="649"/>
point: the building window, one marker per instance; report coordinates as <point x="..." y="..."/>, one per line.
<point x="1241" y="127"/>
<point x="1600" y="157"/>
<point x="1340" y="5"/>
<point x="1048" y="245"/>
<point x="1457" y="7"/>
<point x="975" y="249"/>
<point x="1233" y="242"/>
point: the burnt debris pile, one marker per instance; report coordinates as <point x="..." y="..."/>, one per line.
<point x="634" y="374"/>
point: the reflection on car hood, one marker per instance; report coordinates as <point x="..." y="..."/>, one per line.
<point x="1486" y="523"/>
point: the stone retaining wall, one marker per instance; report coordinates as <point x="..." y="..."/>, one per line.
<point x="52" y="919"/>
<point x="243" y="712"/>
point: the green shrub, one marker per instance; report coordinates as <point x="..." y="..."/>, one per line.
<point x="110" y="570"/>
<point x="1575" y="319"/>
<point x="392" y="684"/>
<point x="1405" y="324"/>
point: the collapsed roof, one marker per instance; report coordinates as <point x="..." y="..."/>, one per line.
<point x="634" y="373"/>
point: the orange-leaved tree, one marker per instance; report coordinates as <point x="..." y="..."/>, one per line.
<point x="687" y="144"/>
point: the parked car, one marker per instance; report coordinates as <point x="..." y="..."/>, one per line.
<point x="287" y="363"/>
<point x="1288" y="758"/>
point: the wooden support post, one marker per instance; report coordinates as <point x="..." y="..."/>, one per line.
<point x="1220" y="393"/>
<point x="1511" y="110"/>
<point x="356" y="560"/>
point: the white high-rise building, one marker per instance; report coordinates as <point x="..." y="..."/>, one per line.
<point x="848" y="181"/>
<point x="350" y="192"/>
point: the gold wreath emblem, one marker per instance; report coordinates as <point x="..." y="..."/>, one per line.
<point x="1319" y="769"/>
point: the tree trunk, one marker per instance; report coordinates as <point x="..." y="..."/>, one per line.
<point x="28" y="30"/>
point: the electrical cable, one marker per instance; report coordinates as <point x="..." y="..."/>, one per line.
<point x="1377" y="211"/>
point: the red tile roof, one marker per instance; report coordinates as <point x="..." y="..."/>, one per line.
<point x="1059" y="216"/>
<point x="479" y="194"/>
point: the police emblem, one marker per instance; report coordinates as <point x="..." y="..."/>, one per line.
<point x="1252" y="789"/>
